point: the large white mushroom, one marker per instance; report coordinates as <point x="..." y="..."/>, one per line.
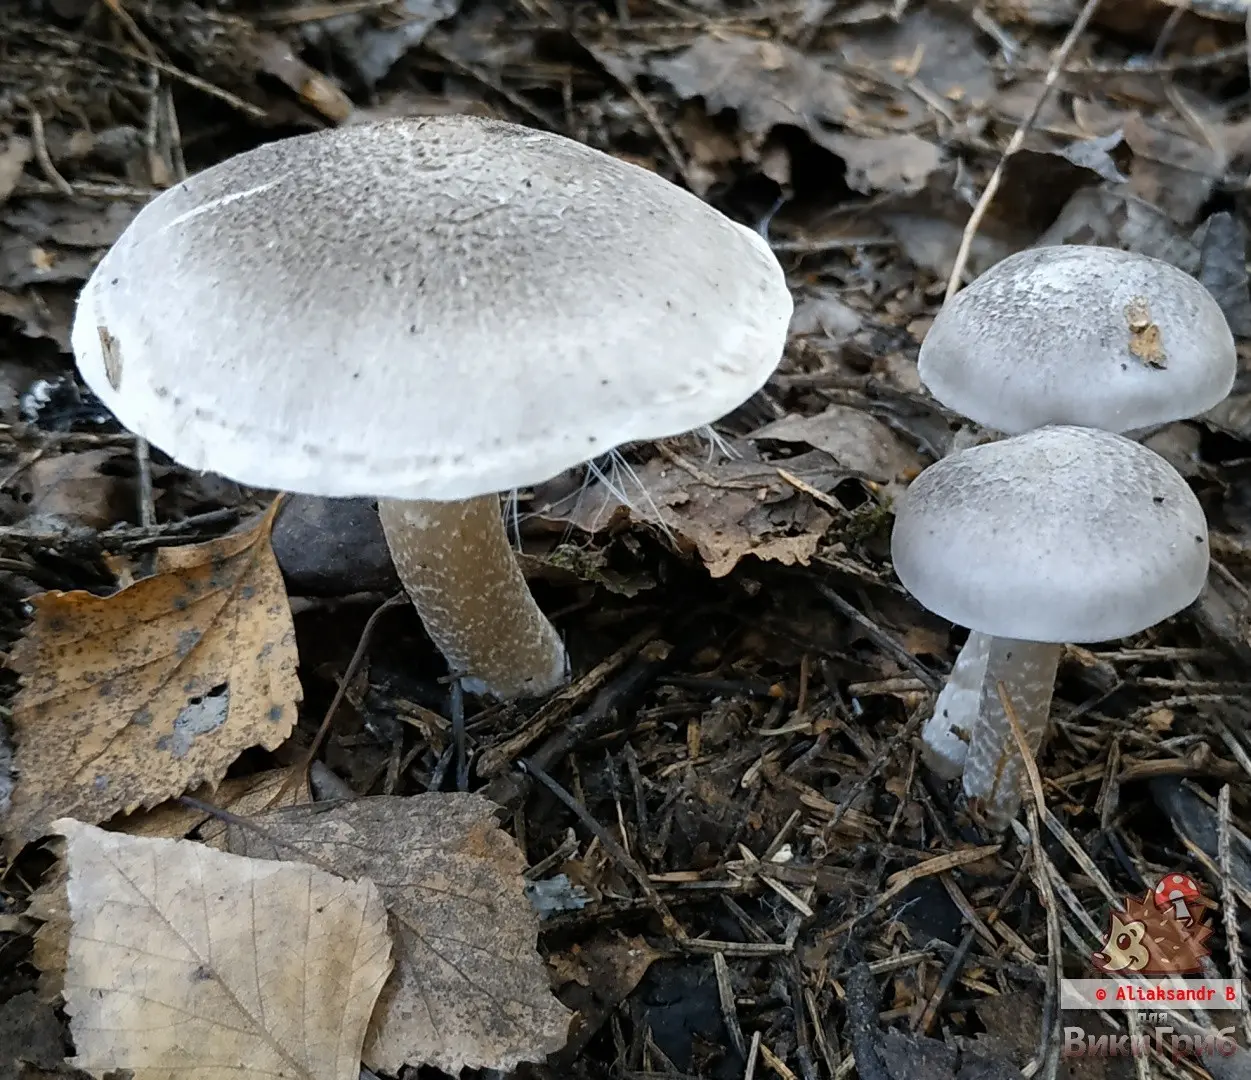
<point x="431" y="311"/>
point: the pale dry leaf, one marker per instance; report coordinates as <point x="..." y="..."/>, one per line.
<point x="131" y="699"/>
<point x="767" y="84"/>
<point x="187" y="962"/>
<point x="851" y="437"/>
<point x="469" y="989"/>
<point x="898" y="164"/>
<point x="725" y="510"/>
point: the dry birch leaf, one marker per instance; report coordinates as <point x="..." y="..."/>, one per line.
<point x="133" y="698"/>
<point x="189" y="962"/>
<point x="469" y="989"/>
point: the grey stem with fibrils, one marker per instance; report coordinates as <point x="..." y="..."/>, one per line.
<point x="458" y="568"/>
<point x="945" y="737"/>
<point x="994" y="767"/>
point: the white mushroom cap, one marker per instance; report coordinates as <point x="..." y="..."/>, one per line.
<point x="1060" y="534"/>
<point x="1079" y="335"/>
<point x="431" y="308"/>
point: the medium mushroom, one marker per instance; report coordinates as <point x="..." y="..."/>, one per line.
<point x="1082" y="335"/>
<point x="1061" y="534"/>
<point x="432" y="311"/>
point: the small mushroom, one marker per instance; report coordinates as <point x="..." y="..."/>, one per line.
<point x="1081" y="335"/>
<point x="1177" y="891"/>
<point x="1061" y="534"/>
<point x="433" y="311"/>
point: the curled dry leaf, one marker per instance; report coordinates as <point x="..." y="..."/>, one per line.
<point x="133" y="698"/>
<point x="469" y="989"/>
<point x="184" y="961"/>
<point x="725" y="510"/>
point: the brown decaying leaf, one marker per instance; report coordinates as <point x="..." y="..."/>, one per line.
<point x="1144" y="335"/>
<point x="50" y="905"/>
<point x="468" y="989"/>
<point x="184" y="961"/>
<point x="131" y="699"/>
<point x="725" y="511"/>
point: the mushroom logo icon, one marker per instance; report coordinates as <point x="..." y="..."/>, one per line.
<point x="1177" y="891"/>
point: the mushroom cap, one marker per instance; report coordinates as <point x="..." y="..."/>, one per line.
<point x="1060" y="534"/>
<point x="1073" y="335"/>
<point x="431" y="308"/>
<point x="1175" y="887"/>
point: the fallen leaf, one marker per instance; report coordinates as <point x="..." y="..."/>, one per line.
<point x="766" y="84"/>
<point x="30" y="1034"/>
<point x="72" y="489"/>
<point x="370" y="47"/>
<point x="241" y="796"/>
<point x="724" y="510"/>
<point x="468" y="989"/>
<point x="49" y="903"/>
<point x="131" y="699"/>
<point x="898" y="164"/>
<point x="185" y="961"/>
<point x="853" y="438"/>
<point x="15" y="152"/>
<point x="594" y="979"/>
<point x="1144" y="335"/>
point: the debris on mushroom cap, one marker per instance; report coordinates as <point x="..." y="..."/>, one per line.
<point x="430" y="308"/>
<point x="1079" y="335"/>
<point x="1060" y="534"/>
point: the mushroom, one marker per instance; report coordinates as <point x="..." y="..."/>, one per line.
<point x="1081" y="335"/>
<point x="432" y="311"/>
<point x="1060" y="534"/>
<point x="1177" y="891"/>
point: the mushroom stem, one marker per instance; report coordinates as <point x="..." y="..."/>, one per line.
<point x="945" y="738"/>
<point x="992" y="770"/>
<point x="459" y="570"/>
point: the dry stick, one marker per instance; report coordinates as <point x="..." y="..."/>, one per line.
<point x="1047" y="1059"/>
<point x="618" y="853"/>
<point x="302" y="767"/>
<point x="1015" y="144"/>
<point x="1229" y="902"/>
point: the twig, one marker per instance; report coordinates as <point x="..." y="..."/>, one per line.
<point x="882" y="639"/>
<point x="1014" y="144"/>
<point x="1229" y="902"/>
<point x="301" y="768"/>
<point x="40" y="145"/>
<point x="610" y="845"/>
<point x="1047" y="1058"/>
<point x="862" y="1024"/>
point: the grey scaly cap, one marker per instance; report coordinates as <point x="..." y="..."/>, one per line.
<point x="1079" y="335"/>
<point x="1060" y="534"/>
<point x="432" y="308"/>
